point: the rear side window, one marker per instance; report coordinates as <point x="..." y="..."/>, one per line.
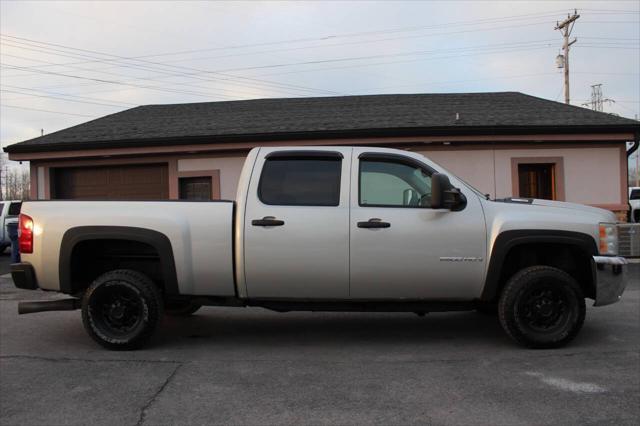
<point x="14" y="209"/>
<point x="311" y="181"/>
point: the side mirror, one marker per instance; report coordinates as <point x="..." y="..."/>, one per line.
<point x="409" y="197"/>
<point x="444" y="195"/>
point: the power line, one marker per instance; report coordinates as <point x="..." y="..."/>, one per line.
<point x="31" y="73"/>
<point x="363" y="33"/>
<point x="496" y="47"/>
<point x="45" y="110"/>
<point x="48" y="50"/>
<point x="228" y="77"/>
<point x="158" y="88"/>
<point x="406" y="61"/>
<point x="64" y="99"/>
<point x="305" y="47"/>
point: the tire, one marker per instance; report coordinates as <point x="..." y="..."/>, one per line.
<point x="542" y="307"/>
<point x="181" y="308"/>
<point x="121" y="309"/>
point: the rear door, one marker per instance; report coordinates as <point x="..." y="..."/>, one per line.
<point x="297" y="224"/>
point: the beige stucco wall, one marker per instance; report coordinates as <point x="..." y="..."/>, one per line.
<point x="230" y="168"/>
<point x="591" y="175"/>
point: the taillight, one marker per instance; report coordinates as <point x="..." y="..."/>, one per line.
<point x="25" y="234"/>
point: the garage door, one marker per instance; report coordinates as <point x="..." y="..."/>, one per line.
<point x="137" y="182"/>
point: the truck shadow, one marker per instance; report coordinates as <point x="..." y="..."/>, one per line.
<point x="258" y="329"/>
<point x="263" y="328"/>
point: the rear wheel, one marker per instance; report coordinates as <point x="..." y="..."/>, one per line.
<point x="542" y="307"/>
<point x="121" y="309"/>
<point x="181" y="308"/>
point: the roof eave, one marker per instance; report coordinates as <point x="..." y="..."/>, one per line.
<point x="329" y="134"/>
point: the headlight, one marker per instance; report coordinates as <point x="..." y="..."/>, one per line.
<point x="608" y="239"/>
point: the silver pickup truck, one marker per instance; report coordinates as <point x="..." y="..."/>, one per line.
<point x="324" y="229"/>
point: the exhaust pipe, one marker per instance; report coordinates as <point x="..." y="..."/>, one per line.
<point x="50" y="305"/>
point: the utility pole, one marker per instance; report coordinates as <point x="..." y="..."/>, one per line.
<point x="566" y="27"/>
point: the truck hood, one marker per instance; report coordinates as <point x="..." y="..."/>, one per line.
<point x="571" y="206"/>
<point x="602" y="214"/>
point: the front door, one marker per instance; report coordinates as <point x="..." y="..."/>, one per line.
<point x="400" y="247"/>
<point x="297" y="225"/>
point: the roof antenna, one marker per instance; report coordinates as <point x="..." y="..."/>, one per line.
<point x="41" y="132"/>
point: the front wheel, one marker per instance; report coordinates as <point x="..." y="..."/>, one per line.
<point x="121" y="309"/>
<point x="542" y="307"/>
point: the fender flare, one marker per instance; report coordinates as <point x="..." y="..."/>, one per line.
<point x="155" y="239"/>
<point x="508" y="240"/>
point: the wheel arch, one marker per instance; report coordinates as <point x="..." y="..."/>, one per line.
<point x="508" y="241"/>
<point x="157" y="240"/>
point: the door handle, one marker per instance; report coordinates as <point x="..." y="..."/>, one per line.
<point x="374" y="223"/>
<point x="267" y="221"/>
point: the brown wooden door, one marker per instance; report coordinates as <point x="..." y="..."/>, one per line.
<point x="135" y="182"/>
<point x="537" y="181"/>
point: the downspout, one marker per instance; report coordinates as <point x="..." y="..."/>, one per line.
<point x="634" y="148"/>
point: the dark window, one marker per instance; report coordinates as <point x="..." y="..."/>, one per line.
<point x="14" y="209"/>
<point x="537" y="181"/>
<point x="1" y="207"/>
<point x="393" y="184"/>
<point x="195" y="188"/>
<point x="635" y="194"/>
<point x="300" y="181"/>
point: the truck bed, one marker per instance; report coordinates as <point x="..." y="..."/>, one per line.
<point x="200" y="236"/>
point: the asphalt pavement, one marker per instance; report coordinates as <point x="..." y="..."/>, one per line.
<point x="253" y="366"/>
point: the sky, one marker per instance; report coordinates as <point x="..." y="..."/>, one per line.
<point x="64" y="63"/>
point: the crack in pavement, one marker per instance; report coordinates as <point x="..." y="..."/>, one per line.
<point x="65" y="359"/>
<point x="400" y="360"/>
<point x="143" y="411"/>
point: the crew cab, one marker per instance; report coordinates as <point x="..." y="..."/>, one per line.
<point x="324" y="229"/>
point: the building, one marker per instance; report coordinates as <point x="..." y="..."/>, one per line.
<point x="505" y="144"/>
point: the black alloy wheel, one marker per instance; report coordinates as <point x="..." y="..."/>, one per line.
<point x="121" y="309"/>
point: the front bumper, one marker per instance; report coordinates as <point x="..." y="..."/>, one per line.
<point x="609" y="277"/>
<point x="23" y="276"/>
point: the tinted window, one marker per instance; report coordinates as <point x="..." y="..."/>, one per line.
<point x="635" y="194"/>
<point x="394" y="184"/>
<point x="1" y="207"/>
<point x="300" y="182"/>
<point x="14" y="209"/>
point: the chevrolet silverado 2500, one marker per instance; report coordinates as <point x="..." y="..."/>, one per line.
<point x="324" y="229"/>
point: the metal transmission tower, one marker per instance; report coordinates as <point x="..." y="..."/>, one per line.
<point x="566" y="27"/>
<point x="597" y="102"/>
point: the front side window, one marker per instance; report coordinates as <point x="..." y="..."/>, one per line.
<point x="300" y="181"/>
<point x="393" y="184"/>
